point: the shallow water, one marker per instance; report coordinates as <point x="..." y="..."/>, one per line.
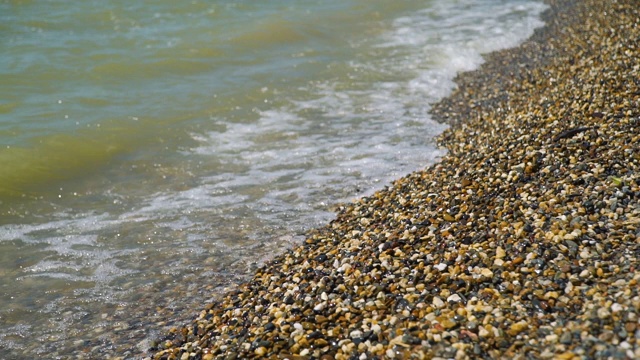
<point x="151" y="155"/>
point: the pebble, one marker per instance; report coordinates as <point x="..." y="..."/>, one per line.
<point x="528" y="227"/>
<point x="454" y="298"/>
<point x="437" y="302"/>
<point x="566" y="338"/>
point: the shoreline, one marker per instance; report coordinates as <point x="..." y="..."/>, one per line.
<point x="523" y="241"/>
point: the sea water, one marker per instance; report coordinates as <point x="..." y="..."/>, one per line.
<point x="154" y="153"/>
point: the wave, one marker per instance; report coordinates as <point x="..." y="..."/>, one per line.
<point x="30" y="171"/>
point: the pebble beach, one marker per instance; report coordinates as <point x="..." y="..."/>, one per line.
<point x="523" y="242"/>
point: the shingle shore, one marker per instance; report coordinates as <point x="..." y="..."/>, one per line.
<point x="523" y="242"/>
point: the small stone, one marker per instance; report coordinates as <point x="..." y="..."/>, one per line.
<point x="390" y="354"/>
<point x="606" y="336"/>
<point x="616" y="308"/>
<point x="566" y="356"/>
<point x="552" y="338"/>
<point x="289" y="300"/>
<point x="441" y="266"/>
<point x="603" y="313"/>
<point x="573" y="247"/>
<point x="622" y="333"/>
<point x="566" y="338"/>
<point x="517" y="328"/>
<point x="486" y="272"/>
<point x="445" y="322"/>
<point x="437" y="302"/>
<point x="551" y="295"/>
<point x="320" y="343"/>
<point x="630" y="326"/>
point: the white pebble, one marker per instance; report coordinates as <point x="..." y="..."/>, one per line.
<point x="584" y="273"/>
<point x="483" y="332"/>
<point x="391" y="354"/>
<point x="486" y="272"/>
<point x="441" y="266"/>
<point x="568" y="288"/>
<point x="437" y="302"/>
<point x="344" y="267"/>
<point x="616" y="308"/>
<point x="603" y="313"/>
<point x="552" y="338"/>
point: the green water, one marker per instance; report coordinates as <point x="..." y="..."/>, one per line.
<point x="87" y="85"/>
